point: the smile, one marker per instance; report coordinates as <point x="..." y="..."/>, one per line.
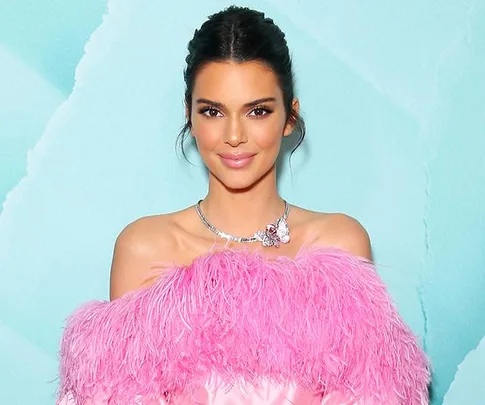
<point x="237" y="161"/>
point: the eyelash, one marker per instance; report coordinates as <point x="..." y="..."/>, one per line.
<point x="262" y="108"/>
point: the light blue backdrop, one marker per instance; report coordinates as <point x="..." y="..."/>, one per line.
<point x="394" y="99"/>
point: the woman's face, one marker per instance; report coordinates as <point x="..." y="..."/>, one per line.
<point x="238" y="121"/>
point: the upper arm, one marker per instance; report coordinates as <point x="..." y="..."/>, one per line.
<point x="349" y="235"/>
<point x="133" y="258"/>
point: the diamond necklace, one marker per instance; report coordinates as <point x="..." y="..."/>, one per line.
<point x="273" y="235"/>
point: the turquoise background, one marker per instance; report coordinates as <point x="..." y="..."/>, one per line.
<point x="393" y="94"/>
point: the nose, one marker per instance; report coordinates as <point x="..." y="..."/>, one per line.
<point x="234" y="133"/>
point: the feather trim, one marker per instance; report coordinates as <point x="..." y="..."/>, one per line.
<point x="323" y="320"/>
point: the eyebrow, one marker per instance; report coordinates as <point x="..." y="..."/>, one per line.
<point x="220" y="105"/>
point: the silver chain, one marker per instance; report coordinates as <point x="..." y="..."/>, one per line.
<point x="239" y="239"/>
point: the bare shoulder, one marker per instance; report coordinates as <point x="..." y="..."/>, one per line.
<point x="139" y="245"/>
<point x="340" y="230"/>
<point x="349" y="234"/>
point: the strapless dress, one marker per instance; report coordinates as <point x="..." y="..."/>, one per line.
<point x="236" y="327"/>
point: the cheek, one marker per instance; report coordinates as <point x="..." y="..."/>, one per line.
<point x="206" y="133"/>
<point x="267" y="133"/>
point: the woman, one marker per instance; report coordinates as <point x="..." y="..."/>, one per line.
<point x="294" y="313"/>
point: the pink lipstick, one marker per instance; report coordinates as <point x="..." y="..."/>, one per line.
<point x="237" y="160"/>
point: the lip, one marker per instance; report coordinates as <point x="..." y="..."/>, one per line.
<point x="236" y="160"/>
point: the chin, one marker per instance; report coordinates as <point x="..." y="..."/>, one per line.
<point x="240" y="180"/>
<point x="237" y="182"/>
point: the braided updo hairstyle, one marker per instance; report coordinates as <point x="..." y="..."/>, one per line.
<point x="240" y="34"/>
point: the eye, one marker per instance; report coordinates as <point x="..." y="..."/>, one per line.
<point x="260" y="112"/>
<point x="210" y="112"/>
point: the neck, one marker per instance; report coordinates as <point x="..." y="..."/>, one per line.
<point x="243" y="212"/>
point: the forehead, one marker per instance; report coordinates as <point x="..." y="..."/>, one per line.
<point x="231" y="80"/>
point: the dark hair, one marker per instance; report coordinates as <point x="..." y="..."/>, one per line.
<point x="241" y="34"/>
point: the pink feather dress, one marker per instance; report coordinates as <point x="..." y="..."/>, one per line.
<point x="235" y="327"/>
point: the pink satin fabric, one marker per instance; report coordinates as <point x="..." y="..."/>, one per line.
<point x="264" y="394"/>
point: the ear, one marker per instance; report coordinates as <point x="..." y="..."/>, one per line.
<point x="291" y="123"/>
